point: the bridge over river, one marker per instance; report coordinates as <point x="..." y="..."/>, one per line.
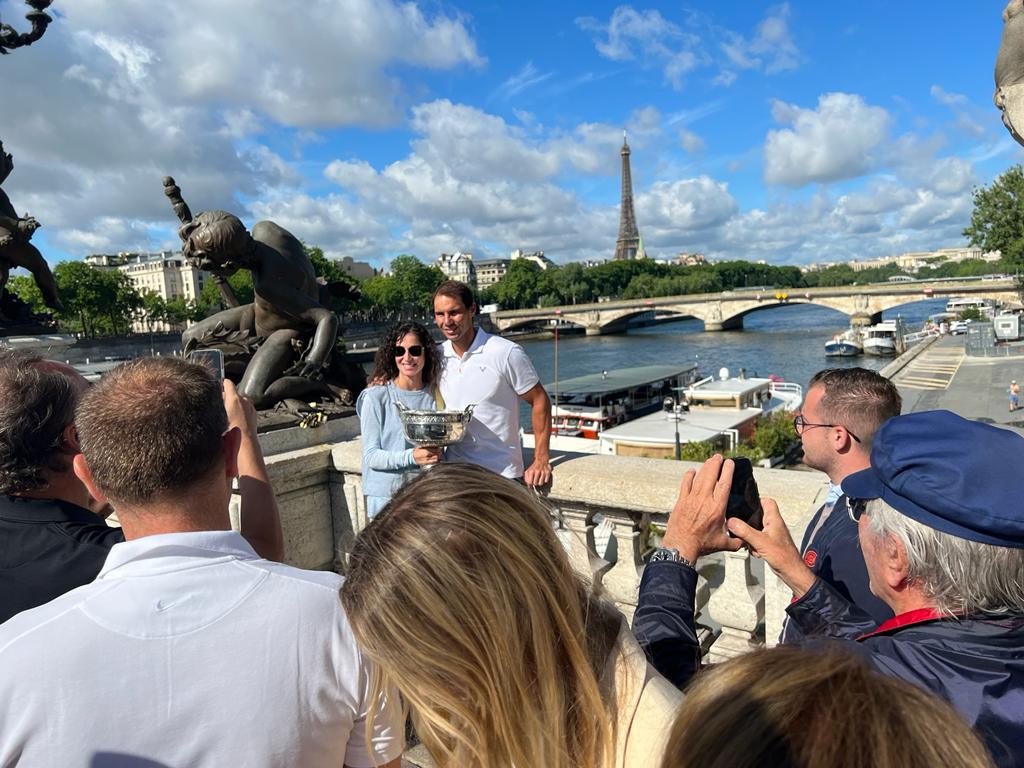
<point x="725" y="311"/>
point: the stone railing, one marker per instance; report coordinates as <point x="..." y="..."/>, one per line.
<point x="609" y="511"/>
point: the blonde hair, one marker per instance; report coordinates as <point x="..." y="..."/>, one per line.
<point x="464" y="599"/>
<point x="792" y="707"/>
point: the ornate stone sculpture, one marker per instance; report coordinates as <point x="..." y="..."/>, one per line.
<point x="15" y="248"/>
<point x="10" y="37"/>
<point x="286" y="338"/>
<point x="1009" y="95"/>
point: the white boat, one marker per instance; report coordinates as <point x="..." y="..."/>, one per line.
<point x="986" y="307"/>
<point x="886" y="338"/>
<point x="585" y="406"/>
<point x="722" y="411"/>
<point x="846" y="344"/>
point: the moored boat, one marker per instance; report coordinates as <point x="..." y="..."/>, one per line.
<point x="885" y="338"/>
<point x="585" y="406"/>
<point x="845" y="344"/>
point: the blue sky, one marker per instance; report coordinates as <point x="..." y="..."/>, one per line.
<point x="792" y="132"/>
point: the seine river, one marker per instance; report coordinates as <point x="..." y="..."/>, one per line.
<point x="788" y="341"/>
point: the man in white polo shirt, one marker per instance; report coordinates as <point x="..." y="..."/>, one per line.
<point x="188" y="649"/>
<point x="493" y="374"/>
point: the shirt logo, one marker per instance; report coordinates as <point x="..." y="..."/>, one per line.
<point x="810" y="558"/>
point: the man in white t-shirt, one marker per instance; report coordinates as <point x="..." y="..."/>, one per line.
<point x="188" y="649"/>
<point x="493" y="374"/>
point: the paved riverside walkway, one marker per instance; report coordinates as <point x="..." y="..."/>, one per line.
<point x="943" y="377"/>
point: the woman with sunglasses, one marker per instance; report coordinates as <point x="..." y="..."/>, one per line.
<point x="405" y="371"/>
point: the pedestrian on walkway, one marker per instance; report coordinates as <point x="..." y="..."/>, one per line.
<point x="1014" y="395"/>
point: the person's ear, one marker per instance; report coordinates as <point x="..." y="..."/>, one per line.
<point x="896" y="565"/>
<point x="84" y="474"/>
<point x="231" y="442"/>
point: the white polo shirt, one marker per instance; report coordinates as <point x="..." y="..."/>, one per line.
<point x="189" y="650"/>
<point x="492" y="374"/>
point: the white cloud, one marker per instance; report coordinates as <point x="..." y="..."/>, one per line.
<point x="838" y="140"/>
<point x="648" y="37"/>
<point x="685" y="206"/>
<point x="120" y="95"/>
<point x="525" y="78"/>
<point x="967" y="118"/>
<point x="691" y="142"/>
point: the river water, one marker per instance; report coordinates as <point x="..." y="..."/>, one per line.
<point x="788" y="341"/>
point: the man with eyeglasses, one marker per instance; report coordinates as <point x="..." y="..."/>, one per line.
<point x="941" y="527"/>
<point x="842" y="410"/>
<point x="53" y="536"/>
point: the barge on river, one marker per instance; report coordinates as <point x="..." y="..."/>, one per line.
<point x="585" y="406"/>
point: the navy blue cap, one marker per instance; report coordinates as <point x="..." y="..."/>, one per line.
<point x="950" y="473"/>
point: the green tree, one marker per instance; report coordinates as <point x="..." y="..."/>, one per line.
<point x="210" y="297"/>
<point x="774" y="433"/>
<point x="519" y="288"/>
<point x="997" y="222"/>
<point x="154" y="309"/>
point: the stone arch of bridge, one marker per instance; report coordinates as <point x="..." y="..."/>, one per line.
<point x="540" y="323"/>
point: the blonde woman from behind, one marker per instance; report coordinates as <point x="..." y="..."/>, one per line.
<point x="463" y="597"/>
<point x="793" y="708"/>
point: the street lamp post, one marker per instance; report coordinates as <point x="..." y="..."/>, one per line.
<point x="677" y="406"/>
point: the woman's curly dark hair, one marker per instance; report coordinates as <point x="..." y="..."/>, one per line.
<point x="386" y="369"/>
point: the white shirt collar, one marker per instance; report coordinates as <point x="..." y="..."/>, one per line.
<point x="154" y="554"/>
<point x="478" y="341"/>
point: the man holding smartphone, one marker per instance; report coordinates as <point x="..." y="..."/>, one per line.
<point x="55" y="535"/>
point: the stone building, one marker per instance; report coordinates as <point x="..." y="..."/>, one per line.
<point x="490" y="271"/>
<point x="537" y="257"/>
<point x="165" y="273"/>
<point x="458" y="266"/>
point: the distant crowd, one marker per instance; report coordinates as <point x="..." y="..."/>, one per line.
<point x="177" y="639"/>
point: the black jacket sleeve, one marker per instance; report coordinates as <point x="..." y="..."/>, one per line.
<point x="664" y="620"/>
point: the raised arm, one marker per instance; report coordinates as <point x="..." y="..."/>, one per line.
<point x="260" y="518"/>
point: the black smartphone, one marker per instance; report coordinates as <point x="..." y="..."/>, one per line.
<point x="744" y="500"/>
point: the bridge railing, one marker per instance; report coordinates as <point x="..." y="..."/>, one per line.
<point x="609" y="512"/>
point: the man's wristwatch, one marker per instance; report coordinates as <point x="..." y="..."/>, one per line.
<point x="670" y="555"/>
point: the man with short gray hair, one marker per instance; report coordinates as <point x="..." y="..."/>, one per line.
<point x="195" y="650"/>
<point x="941" y="527"/>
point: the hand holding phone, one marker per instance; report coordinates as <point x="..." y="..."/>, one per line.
<point x="744" y="499"/>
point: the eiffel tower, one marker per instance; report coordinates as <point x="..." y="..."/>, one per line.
<point x="629" y="245"/>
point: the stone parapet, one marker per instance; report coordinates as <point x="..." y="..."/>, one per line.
<point x="608" y="511"/>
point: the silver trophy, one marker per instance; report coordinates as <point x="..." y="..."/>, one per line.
<point x="434" y="429"/>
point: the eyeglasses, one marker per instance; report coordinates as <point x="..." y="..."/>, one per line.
<point x="856" y="507"/>
<point x="800" y="424"/>
<point x="414" y="351"/>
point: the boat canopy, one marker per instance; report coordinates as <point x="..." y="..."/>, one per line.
<point x="620" y="380"/>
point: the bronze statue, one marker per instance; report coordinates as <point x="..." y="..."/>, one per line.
<point x="15" y="248"/>
<point x="289" y="329"/>
<point x="1009" y="95"/>
<point x="11" y="38"/>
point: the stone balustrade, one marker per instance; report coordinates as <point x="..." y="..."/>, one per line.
<point x="609" y="510"/>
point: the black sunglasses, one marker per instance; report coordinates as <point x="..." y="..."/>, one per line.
<point x="856" y="507"/>
<point x="800" y="424"/>
<point x="414" y="351"/>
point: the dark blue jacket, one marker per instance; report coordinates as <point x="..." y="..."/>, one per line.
<point x="833" y="553"/>
<point x="977" y="665"/>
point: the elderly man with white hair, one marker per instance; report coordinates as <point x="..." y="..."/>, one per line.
<point x="940" y="517"/>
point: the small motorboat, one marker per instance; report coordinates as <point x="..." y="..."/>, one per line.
<point x="846" y="344"/>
